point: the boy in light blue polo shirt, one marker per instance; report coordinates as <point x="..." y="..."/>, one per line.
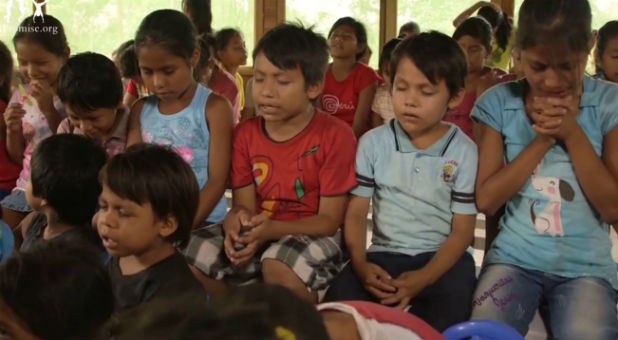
<point x="420" y="173"/>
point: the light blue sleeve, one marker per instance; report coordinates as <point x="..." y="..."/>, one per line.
<point x="364" y="165"/>
<point x="489" y="107"/>
<point x="462" y="195"/>
<point x="608" y="107"/>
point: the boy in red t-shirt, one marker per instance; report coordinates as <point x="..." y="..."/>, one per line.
<point x="292" y="168"/>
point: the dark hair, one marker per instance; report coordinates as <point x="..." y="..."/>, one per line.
<point x="411" y="26"/>
<point x="359" y="32"/>
<point x="261" y="309"/>
<point x="169" y="28"/>
<point x="201" y="15"/>
<point x="123" y="46"/>
<point x="127" y="60"/>
<point x="606" y="32"/>
<point x="59" y="290"/>
<point x="6" y="72"/>
<point x="156" y="174"/>
<point x="47" y="32"/>
<point x="89" y="81"/>
<point x="63" y="171"/>
<point x="387" y="52"/>
<point x="437" y="55"/>
<point x="223" y="37"/>
<point x="477" y="28"/>
<point x="497" y="19"/>
<point x="206" y="44"/>
<point x="289" y="46"/>
<point x="547" y="21"/>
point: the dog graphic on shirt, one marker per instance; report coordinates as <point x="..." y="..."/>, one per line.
<point x="548" y="220"/>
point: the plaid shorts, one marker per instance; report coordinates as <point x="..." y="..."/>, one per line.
<point x="316" y="260"/>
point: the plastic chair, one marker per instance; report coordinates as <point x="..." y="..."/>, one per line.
<point x="481" y="330"/>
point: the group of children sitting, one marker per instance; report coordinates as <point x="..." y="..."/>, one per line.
<point x="126" y="231"/>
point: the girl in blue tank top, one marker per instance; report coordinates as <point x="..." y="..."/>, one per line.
<point x="183" y="114"/>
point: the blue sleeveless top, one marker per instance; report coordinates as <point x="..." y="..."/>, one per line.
<point x="186" y="131"/>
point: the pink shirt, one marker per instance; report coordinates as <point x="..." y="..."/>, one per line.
<point x="35" y="128"/>
<point x="224" y="84"/>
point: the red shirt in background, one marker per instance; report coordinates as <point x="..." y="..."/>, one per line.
<point x="9" y="171"/>
<point x="291" y="176"/>
<point x="340" y="98"/>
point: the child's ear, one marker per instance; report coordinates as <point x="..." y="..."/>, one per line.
<point x="314" y="90"/>
<point x="168" y="225"/>
<point x="456" y="99"/>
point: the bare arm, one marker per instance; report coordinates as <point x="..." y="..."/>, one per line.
<point x="355" y="228"/>
<point x="469" y="11"/>
<point x="461" y="236"/>
<point x="363" y="109"/>
<point x="495" y="183"/>
<point x="219" y="118"/>
<point x="324" y="223"/>
<point x="597" y="176"/>
<point x="134" y="135"/>
<point x="15" y="142"/>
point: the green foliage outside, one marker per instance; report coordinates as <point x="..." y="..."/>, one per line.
<point x="101" y="25"/>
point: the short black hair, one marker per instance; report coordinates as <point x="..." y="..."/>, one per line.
<point x="169" y="28"/>
<point x="207" y="46"/>
<point x="411" y="26"/>
<point x="289" y="46"/>
<point x="156" y="174"/>
<point x="127" y="62"/>
<point x="6" y="72"/>
<point x="606" y="32"/>
<point x="437" y="55"/>
<point x="387" y="52"/>
<point x="64" y="171"/>
<point x="359" y="31"/>
<point x="89" y="81"/>
<point x="47" y="32"/>
<point x="263" y="310"/>
<point x="477" y="28"/>
<point x="123" y="46"/>
<point x="59" y="290"/>
<point x="549" y="21"/>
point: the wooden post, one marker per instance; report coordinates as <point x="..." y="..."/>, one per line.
<point x="388" y="21"/>
<point x="268" y="14"/>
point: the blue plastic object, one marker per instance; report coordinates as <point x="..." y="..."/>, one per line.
<point x="481" y="330"/>
<point x="6" y="241"/>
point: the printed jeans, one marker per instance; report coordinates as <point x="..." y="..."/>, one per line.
<point x="572" y="308"/>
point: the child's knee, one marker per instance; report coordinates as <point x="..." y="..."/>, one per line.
<point x="277" y="272"/>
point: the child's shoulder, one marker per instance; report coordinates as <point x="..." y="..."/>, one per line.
<point x="597" y="89"/>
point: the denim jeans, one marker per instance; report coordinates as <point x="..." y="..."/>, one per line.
<point x="572" y="308"/>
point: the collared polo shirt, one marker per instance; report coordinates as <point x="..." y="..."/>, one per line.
<point x="415" y="192"/>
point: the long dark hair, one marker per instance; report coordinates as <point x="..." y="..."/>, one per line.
<point x="500" y="21"/>
<point x="201" y="15"/>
